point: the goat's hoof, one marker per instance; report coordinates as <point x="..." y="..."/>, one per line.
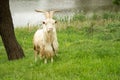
<point x="45" y="61"/>
<point x="51" y="60"/>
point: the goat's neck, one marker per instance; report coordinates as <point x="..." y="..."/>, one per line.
<point x="49" y="37"/>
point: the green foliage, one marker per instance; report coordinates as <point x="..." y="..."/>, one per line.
<point x="110" y="15"/>
<point x="80" y="17"/>
<point x="88" y="50"/>
<point x="117" y="2"/>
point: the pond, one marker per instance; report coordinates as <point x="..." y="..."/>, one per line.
<point x="23" y="10"/>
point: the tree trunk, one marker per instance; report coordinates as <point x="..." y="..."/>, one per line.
<point x="13" y="49"/>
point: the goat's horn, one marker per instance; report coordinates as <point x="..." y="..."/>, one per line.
<point x="52" y="12"/>
<point x="46" y="13"/>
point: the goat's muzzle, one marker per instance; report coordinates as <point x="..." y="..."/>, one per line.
<point x="50" y="30"/>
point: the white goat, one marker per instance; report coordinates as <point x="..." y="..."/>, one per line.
<point x="45" y="39"/>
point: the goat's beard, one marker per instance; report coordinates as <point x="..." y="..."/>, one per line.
<point x="49" y="36"/>
<point x="49" y="31"/>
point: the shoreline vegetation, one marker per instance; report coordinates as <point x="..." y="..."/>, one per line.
<point x="89" y="49"/>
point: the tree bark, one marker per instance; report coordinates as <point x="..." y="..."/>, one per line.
<point x="13" y="49"/>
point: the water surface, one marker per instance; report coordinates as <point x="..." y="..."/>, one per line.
<point x="23" y="10"/>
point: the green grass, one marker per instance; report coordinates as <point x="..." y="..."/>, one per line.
<point x="88" y="50"/>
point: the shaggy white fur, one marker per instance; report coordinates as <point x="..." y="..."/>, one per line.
<point x="45" y="39"/>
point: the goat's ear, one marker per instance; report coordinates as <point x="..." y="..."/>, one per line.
<point x="36" y="11"/>
<point x="40" y="11"/>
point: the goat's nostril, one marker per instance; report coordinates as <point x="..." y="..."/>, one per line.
<point x="50" y="28"/>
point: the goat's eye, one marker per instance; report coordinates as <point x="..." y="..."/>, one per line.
<point x="43" y="22"/>
<point x="55" y="21"/>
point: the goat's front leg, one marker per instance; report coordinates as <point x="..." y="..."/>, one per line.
<point x="42" y="53"/>
<point x="35" y="55"/>
<point x="55" y="46"/>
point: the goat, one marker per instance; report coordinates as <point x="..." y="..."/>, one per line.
<point x="45" y="39"/>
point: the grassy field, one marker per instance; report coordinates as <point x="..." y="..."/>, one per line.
<point x="89" y="49"/>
